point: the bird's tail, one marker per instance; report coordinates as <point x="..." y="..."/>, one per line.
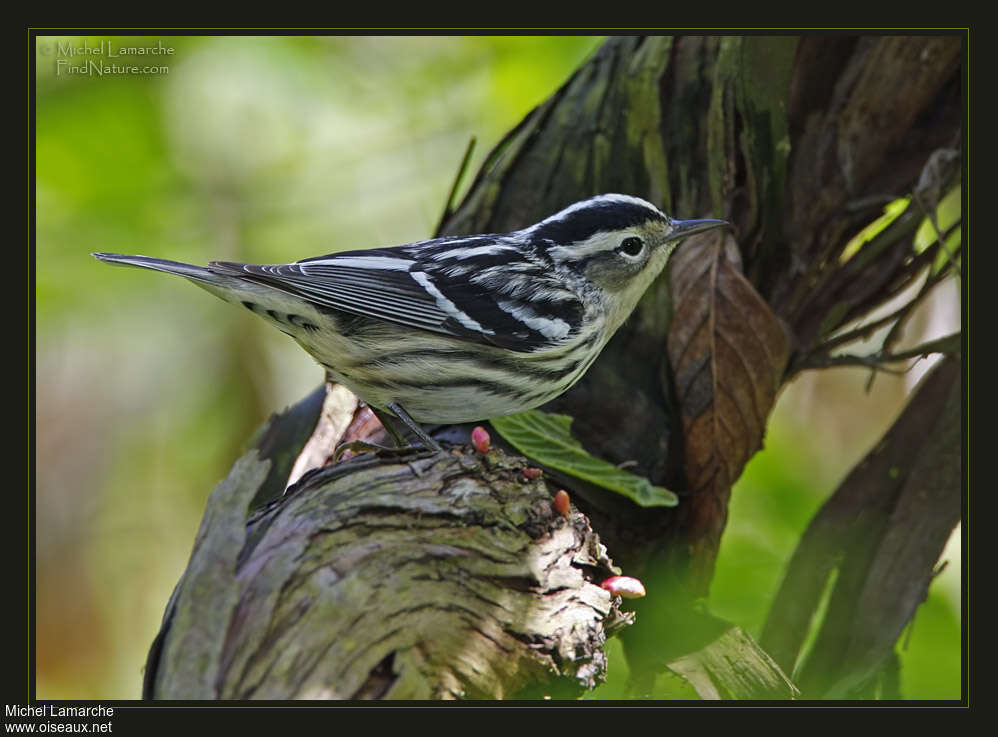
<point x="196" y="273"/>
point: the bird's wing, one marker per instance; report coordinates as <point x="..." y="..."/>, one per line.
<point x="391" y="285"/>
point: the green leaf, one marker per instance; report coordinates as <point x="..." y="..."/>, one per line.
<point x="547" y="439"/>
<point x="891" y="213"/>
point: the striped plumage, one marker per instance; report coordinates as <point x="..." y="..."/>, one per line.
<point x="460" y="329"/>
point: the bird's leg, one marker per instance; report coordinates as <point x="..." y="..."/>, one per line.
<point x="389" y="425"/>
<point x="427" y="442"/>
<point x="402" y="447"/>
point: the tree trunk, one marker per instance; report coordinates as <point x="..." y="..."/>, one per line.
<point x="455" y="577"/>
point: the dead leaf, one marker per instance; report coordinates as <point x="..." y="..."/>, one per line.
<point x="728" y="352"/>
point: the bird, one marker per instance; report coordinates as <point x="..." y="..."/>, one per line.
<point x="460" y="328"/>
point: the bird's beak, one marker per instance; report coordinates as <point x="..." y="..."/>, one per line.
<point x="685" y="228"/>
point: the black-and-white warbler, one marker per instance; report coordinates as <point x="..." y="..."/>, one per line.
<point x="460" y="329"/>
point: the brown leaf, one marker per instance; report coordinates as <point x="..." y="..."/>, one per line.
<point x="728" y="352"/>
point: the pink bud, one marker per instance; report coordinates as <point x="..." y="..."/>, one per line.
<point x="624" y="586"/>
<point x="480" y="439"/>
<point x="532" y="473"/>
<point x="561" y="504"/>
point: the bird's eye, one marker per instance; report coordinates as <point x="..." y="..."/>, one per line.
<point x="631" y="246"/>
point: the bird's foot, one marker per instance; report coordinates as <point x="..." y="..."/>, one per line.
<point x="383" y="451"/>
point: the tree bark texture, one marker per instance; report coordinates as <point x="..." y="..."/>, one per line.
<point x="453" y="578"/>
<point x="386" y="580"/>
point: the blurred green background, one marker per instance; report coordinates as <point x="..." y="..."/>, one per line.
<point x="271" y="149"/>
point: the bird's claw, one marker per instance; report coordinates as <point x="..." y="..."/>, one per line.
<point x="362" y="446"/>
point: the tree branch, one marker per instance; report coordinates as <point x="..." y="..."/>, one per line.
<point x="444" y="577"/>
<point x="882" y="533"/>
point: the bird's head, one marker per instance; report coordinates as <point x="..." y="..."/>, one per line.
<point x="617" y="243"/>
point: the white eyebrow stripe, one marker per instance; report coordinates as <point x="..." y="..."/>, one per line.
<point x="387" y="263"/>
<point x="594" y="244"/>
<point x="446" y="305"/>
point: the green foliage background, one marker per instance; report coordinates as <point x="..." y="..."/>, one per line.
<point x="270" y="149"/>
